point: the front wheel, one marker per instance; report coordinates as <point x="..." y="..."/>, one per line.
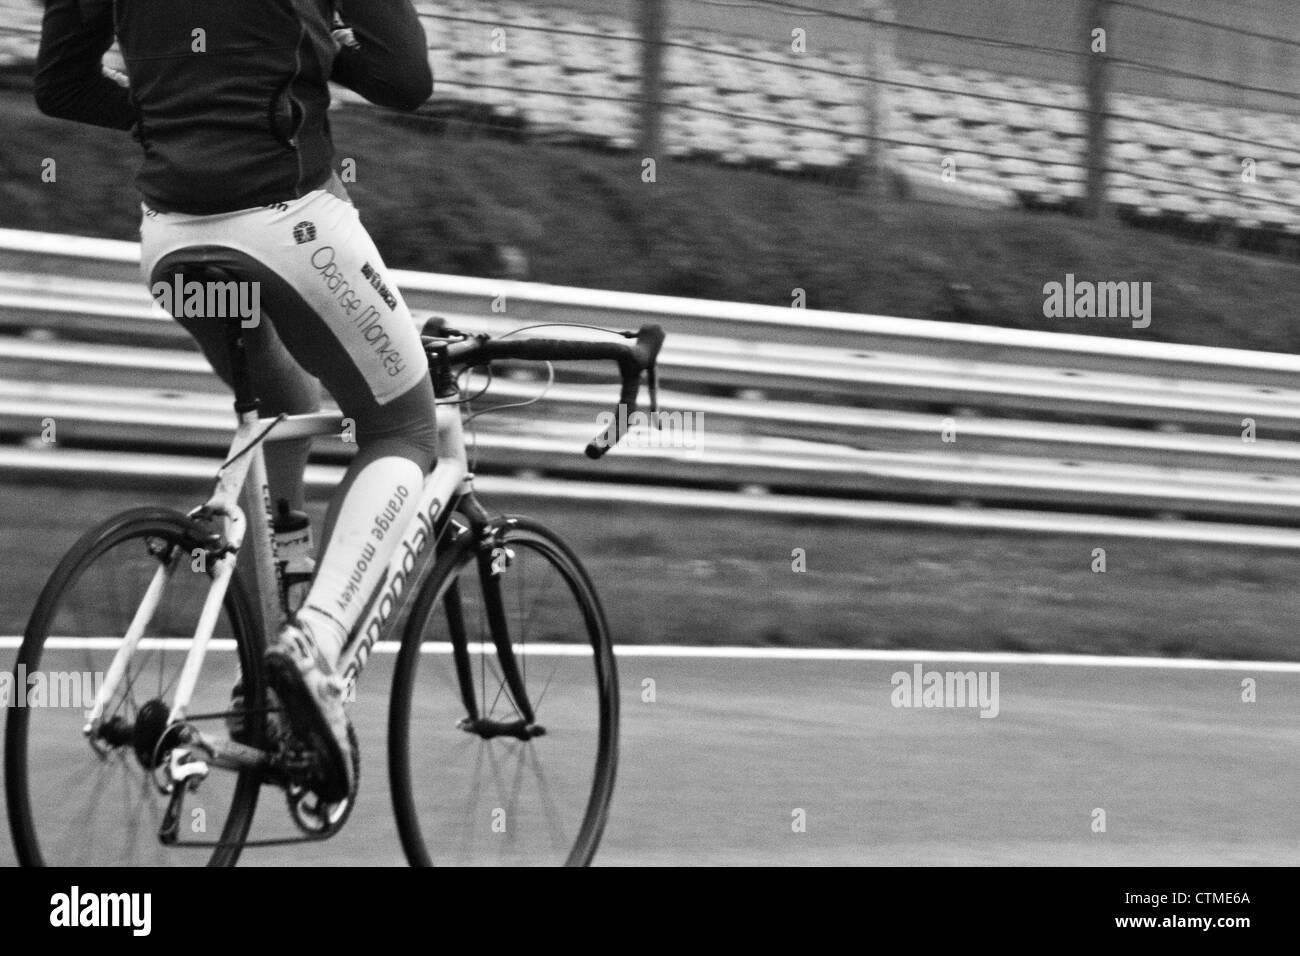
<point x="503" y="729"/>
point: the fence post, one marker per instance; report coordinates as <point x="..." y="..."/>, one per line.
<point x="1096" y="66"/>
<point x="653" y="28"/>
<point x="878" y="59"/>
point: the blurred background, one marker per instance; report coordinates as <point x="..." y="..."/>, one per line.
<point x="934" y="161"/>
<point x="854" y="210"/>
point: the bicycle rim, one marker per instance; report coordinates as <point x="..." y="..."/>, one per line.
<point x="464" y="800"/>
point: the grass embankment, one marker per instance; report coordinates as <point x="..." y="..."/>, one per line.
<point x="727" y="580"/>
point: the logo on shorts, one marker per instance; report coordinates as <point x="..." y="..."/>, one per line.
<point x="304" y="232"/>
<point x="389" y="299"/>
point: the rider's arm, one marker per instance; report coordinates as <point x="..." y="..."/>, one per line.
<point x="70" y="79"/>
<point x="389" y="65"/>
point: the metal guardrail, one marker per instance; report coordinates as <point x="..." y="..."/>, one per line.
<point x="103" y="312"/>
<point x="52" y="255"/>
<point x="92" y="416"/>
<point x="860" y="428"/>
<point x="792" y="401"/>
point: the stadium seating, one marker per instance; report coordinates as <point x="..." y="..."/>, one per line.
<point x="570" y="74"/>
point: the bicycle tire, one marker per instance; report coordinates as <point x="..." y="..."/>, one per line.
<point x="433" y="837"/>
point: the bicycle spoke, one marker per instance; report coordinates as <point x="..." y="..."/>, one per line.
<point x="163" y="691"/>
<point x="553" y="816"/>
<point x="503" y="688"/>
<point x="472" y="798"/>
<point x="537" y="704"/>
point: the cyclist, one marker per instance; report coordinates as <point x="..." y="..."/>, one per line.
<point x="228" y="101"/>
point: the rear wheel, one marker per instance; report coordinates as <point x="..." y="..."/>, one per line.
<point x="504" y="759"/>
<point x="77" y="802"/>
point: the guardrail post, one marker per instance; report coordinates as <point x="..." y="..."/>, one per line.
<point x="1096" y="66"/>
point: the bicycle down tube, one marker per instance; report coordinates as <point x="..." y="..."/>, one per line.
<point x="448" y="482"/>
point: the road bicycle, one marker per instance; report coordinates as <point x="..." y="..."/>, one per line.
<point x="503" y="717"/>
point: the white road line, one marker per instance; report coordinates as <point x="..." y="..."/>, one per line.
<point x="11" y="642"/>
<point x="965" y="657"/>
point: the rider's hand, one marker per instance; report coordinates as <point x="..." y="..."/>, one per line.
<point x="343" y="35"/>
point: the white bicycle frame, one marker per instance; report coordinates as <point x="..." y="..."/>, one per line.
<point x="246" y="465"/>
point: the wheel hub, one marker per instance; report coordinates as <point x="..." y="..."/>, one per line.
<point x="487" y="728"/>
<point x="150" y="725"/>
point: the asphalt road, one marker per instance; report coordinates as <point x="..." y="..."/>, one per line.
<point x="714" y="770"/>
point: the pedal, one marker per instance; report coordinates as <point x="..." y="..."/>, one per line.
<point x="186" y="774"/>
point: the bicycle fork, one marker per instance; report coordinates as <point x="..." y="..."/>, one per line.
<point x="493" y="559"/>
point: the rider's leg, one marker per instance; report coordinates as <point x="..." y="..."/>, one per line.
<point x="397" y="444"/>
<point x="340" y="318"/>
<point x="325" y="289"/>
